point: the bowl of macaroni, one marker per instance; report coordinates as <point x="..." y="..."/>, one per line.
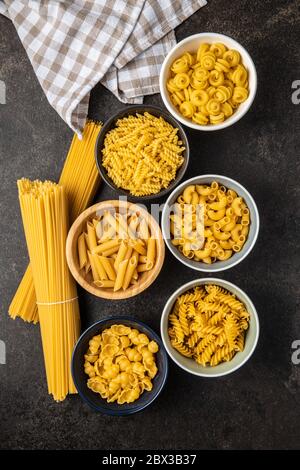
<point x="208" y="81"/>
<point x="210" y="223"/>
<point x="142" y="152"/>
<point x="119" y="366"/>
<point x="209" y="327"/>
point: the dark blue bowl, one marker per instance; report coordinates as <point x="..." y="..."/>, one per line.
<point x="93" y="399"/>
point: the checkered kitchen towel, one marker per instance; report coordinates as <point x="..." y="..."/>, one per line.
<point x="73" y="45"/>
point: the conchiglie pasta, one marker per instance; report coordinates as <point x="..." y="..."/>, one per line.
<point x="120" y="364"/>
<point x="214" y="74"/>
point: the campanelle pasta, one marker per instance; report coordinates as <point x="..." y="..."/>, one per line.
<point x="116" y="248"/>
<point x="120" y="363"/>
<point x="208" y="86"/>
<point x="210" y="223"/>
<point x="142" y="154"/>
<point x="208" y="324"/>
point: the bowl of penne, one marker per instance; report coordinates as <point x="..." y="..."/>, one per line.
<point x="115" y="249"/>
<point x="210" y="223"/>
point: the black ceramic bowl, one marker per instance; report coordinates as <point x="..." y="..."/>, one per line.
<point x="111" y="123"/>
<point x="93" y="399"/>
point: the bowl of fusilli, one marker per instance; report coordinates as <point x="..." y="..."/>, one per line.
<point x="142" y="152"/>
<point x="209" y="327"/>
<point x="208" y="81"/>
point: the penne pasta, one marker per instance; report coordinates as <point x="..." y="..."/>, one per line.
<point x="91" y="234"/>
<point x="128" y="252"/>
<point x="99" y="267"/>
<point x="120" y="275"/>
<point x="138" y="245"/>
<point x="143" y="230"/>
<point x="131" y="267"/>
<point x="121" y="254"/>
<point x="106" y="245"/>
<point x="82" y="253"/>
<point x="115" y="262"/>
<point x="111" y="251"/>
<point x="144" y="267"/>
<point x="107" y="235"/>
<point x="108" y="268"/>
<point x="106" y="284"/>
<point x="151" y="250"/>
<point x="96" y="275"/>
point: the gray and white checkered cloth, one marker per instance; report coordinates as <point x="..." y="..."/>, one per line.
<point x="73" y="45"/>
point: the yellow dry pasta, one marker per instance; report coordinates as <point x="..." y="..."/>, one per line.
<point x="209" y="325"/>
<point x="121" y="364"/>
<point x="116" y="259"/>
<point x="209" y="85"/>
<point x="210" y="223"/>
<point x="142" y="154"/>
<point x="80" y="179"/>
<point x="45" y="218"/>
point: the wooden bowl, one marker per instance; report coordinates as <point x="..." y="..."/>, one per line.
<point x="85" y="279"/>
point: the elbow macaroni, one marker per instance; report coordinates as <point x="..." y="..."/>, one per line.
<point x="226" y="221"/>
<point x="120" y="363"/>
<point x="208" y="324"/>
<point x="208" y="86"/>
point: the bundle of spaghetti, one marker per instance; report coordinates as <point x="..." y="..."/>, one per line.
<point x="80" y="179"/>
<point x="45" y="220"/>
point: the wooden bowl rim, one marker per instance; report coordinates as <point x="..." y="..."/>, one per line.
<point x="142" y="283"/>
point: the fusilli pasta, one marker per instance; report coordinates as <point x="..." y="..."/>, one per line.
<point x="209" y="340"/>
<point x="143" y="153"/>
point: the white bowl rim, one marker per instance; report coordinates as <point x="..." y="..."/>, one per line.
<point x="211" y="268"/>
<point x="232" y="119"/>
<point x="189" y="285"/>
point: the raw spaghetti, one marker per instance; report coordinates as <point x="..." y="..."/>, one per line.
<point x="45" y="220"/>
<point x="80" y="179"/>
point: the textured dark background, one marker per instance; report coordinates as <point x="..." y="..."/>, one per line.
<point x="256" y="407"/>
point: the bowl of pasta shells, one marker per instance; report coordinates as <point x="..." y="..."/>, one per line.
<point x="210" y="223"/>
<point x="119" y="366"/>
<point x="209" y="327"/>
<point x="115" y="249"/>
<point x="142" y="152"/>
<point x="208" y="81"/>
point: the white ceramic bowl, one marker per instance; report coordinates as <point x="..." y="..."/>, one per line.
<point x="191" y="44"/>
<point x="191" y="366"/>
<point x="236" y="257"/>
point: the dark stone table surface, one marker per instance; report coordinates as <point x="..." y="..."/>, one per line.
<point x="257" y="407"/>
